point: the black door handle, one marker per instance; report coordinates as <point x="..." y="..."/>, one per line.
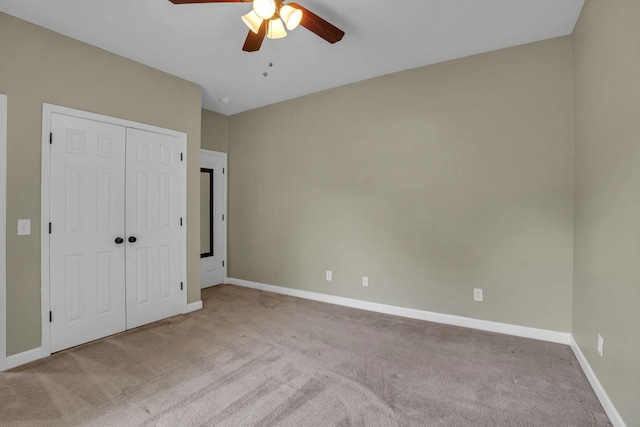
<point x="119" y="240"/>
<point x="132" y="239"/>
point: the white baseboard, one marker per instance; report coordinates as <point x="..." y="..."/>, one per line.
<point x="24" y="357"/>
<point x="607" y="404"/>
<point x="466" y="322"/>
<point x="194" y="306"/>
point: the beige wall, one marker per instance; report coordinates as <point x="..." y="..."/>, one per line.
<point x="215" y="137"/>
<point x="607" y="197"/>
<point x="431" y="182"/>
<point x="36" y="66"/>
<point x="215" y="131"/>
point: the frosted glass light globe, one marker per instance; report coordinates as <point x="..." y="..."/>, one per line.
<point x="253" y="21"/>
<point x="276" y="29"/>
<point x="265" y="9"/>
<point x="291" y="16"/>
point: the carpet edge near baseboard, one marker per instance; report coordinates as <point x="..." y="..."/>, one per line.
<point x="557" y="337"/>
<point x="194" y="306"/>
<point x="603" y="397"/>
<point x="16" y="360"/>
<point x="448" y="319"/>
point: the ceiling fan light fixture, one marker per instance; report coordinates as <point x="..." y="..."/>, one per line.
<point x="291" y="16"/>
<point x="253" y="21"/>
<point x="265" y="9"/>
<point x="276" y="29"/>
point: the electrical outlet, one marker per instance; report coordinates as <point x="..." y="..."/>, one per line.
<point x="329" y="276"/>
<point x="365" y="281"/>
<point x="24" y="227"/>
<point x="477" y="294"/>
<point x="600" y="344"/>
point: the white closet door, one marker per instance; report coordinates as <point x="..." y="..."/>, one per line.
<point x="212" y="271"/>
<point x="155" y="175"/>
<point x="87" y="276"/>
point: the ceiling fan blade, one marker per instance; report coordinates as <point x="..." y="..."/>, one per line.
<point x="319" y="26"/>
<point x="254" y="41"/>
<point x="207" y="1"/>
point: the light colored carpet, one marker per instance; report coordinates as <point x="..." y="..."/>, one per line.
<point x="257" y="358"/>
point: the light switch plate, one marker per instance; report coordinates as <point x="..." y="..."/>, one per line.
<point x="24" y="227"/>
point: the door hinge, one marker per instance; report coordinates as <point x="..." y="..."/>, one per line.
<point x="50" y="317"/>
<point x="223" y="217"/>
<point x="223" y="171"/>
<point x="182" y="157"/>
<point x="50" y="137"/>
<point x="223" y="263"/>
<point x="49" y="228"/>
<point x="180" y="221"/>
<point x="181" y="286"/>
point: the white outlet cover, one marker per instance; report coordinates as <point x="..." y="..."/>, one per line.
<point x="477" y="294"/>
<point x="24" y="227"/>
<point x="365" y="281"/>
<point x="329" y="275"/>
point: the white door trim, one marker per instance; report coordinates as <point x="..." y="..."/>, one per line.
<point x="47" y="110"/>
<point x="3" y="232"/>
<point x="223" y="156"/>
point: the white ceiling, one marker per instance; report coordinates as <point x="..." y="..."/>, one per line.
<point x="202" y="42"/>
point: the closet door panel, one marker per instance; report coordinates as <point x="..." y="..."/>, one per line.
<point x="87" y="276"/>
<point x="155" y="173"/>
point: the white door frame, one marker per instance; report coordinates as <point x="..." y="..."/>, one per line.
<point x="3" y="232"/>
<point x="206" y="153"/>
<point x="47" y="110"/>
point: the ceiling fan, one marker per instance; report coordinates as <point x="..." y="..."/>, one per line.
<point x="267" y="16"/>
